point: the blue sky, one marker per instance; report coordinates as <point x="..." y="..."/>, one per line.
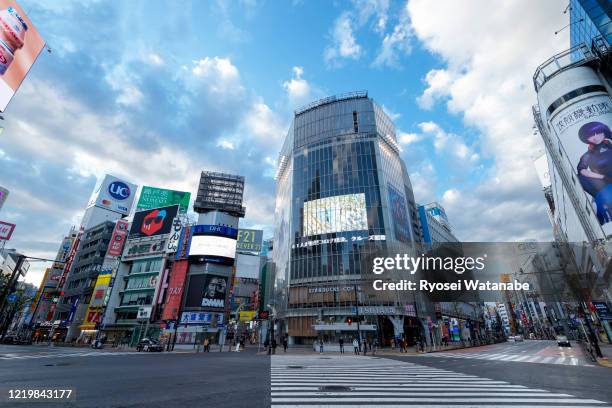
<point x="157" y="91"/>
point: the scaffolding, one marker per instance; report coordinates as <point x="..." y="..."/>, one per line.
<point x="220" y="192"/>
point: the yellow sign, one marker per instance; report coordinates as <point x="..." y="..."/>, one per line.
<point x="247" y="315"/>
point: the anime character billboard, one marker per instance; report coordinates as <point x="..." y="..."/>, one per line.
<point x="584" y="130"/>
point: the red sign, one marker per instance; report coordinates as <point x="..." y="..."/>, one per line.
<point x="6" y="230"/>
<point x="175" y="290"/>
<point x="115" y="247"/>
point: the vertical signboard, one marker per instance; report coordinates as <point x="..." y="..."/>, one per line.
<point x="6" y="230"/>
<point x="249" y="241"/>
<point x="175" y="289"/>
<point x="117" y="240"/>
<point x="20" y="44"/>
<point x="399" y="212"/>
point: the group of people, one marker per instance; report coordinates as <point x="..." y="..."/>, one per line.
<point x="365" y="346"/>
<point x="271" y="345"/>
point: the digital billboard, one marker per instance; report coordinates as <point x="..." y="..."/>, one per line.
<point x="153" y="197"/>
<point x="249" y="240"/>
<point x="114" y="194"/>
<point x="335" y="214"/>
<point x="3" y="196"/>
<point x="207" y="291"/>
<point x="154" y="222"/>
<point x="20" y="44"/>
<point x="399" y="213"/>
<point x="210" y="245"/>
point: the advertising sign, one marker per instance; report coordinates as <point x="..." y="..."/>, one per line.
<point x="20" y="44"/>
<point x="117" y="240"/>
<point x="6" y="230"/>
<point x="399" y="212"/>
<point x="143" y="248"/>
<point x="541" y="166"/>
<point x="209" y="245"/>
<point x="335" y="214"/>
<point x="172" y="244"/>
<point x="152" y="197"/>
<point x="114" y="194"/>
<point x="3" y="196"/>
<point x="249" y="240"/>
<point x="175" y="289"/>
<point x="207" y="291"/>
<point x="204" y="318"/>
<point x="247" y="315"/>
<point x="97" y="297"/>
<point x="584" y="131"/>
<point x="149" y="223"/>
<point x="144" y="312"/>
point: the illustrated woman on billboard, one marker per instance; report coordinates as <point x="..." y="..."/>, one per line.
<point x="595" y="167"/>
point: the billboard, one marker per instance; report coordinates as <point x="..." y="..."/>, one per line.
<point x="117" y="240"/>
<point x="175" y="288"/>
<point x="6" y="230"/>
<point x="97" y="297"/>
<point x="210" y="245"/>
<point x="20" y="45"/>
<point x="249" y="240"/>
<point x="584" y="130"/>
<point x="3" y="196"/>
<point x="114" y="194"/>
<point x="138" y="248"/>
<point x="399" y="213"/>
<point x="149" y="223"/>
<point x="207" y="291"/>
<point x="335" y="214"/>
<point x="153" y="197"/>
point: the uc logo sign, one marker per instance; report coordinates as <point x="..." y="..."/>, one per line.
<point x="119" y="190"/>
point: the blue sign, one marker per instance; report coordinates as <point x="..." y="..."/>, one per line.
<point x="119" y="190"/>
<point x="218" y="230"/>
<point x="12" y="297"/>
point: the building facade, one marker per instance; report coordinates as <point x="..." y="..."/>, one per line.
<point x="589" y="19"/>
<point x="435" y="225"/>
<point x="343" y="193"/>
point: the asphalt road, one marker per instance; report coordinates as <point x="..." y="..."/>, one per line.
<point x="119" y="379"/>
<point x="551" y="367"/>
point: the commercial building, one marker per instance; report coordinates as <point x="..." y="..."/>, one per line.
<point x="435" y="226"/>
<point x="574" y="117"/>
<point x="343" y="194"/>
<point x="590" y="19"/>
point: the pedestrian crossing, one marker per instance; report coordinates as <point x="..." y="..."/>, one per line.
<point x="23" y="356"/>
<point x="358" y="381"/>
<point x="564" y="360"/>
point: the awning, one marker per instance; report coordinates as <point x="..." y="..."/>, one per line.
<point x="343" y="327"/>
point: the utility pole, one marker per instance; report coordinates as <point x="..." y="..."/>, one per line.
<point x="357" y="314"/>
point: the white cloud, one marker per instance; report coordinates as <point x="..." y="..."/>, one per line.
<point x="490" y="51"/>
<point x="155" y="59"/>
<point x="219" y="75"/>
<point x="298" y="89"/>
<point x="408" y="138"/>
<point x="225" y="144"/>
<point x="448" y="144"/>
<point x="392" y="115"/>
<point x="344" y="45"/>
<point x="376" y="9"/>
<point x="395" y="44"/>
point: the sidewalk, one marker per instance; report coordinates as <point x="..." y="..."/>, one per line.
<point x="606" y="350"/>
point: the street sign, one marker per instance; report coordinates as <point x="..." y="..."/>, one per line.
<point x="12" y="297"/>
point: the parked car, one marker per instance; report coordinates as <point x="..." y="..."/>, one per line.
<point x="10" y="339"/>
<point x="149" y="345"/>
<point x="518" y="337"/>
<point x="562" y="341"/>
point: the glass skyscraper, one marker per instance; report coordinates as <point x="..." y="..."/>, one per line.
<point x="596" y="16"/>
<point x="343" y="194"/>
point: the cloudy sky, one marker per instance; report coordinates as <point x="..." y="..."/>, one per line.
<point x="156" y="91"/>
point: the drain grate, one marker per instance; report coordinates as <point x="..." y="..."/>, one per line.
<point x="295" y="366"/>
<point x="335" y="388"/>
<point x="57" y="364"/>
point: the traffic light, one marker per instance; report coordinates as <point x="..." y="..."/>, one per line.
<point x="349" y="321"/>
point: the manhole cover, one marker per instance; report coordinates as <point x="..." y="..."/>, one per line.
<point x="295" y="366"/>
<point x="335" y="388"/>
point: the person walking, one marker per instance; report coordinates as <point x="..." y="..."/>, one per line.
<point x="321" y="345"/>
<point x="374" y="346"/>
<point x="356" y="346"/>
<point x="365" y="346"/>
<point x="341" y="342"/>
<point x="285" y="342"/>
<point x="273" y="346"/>
<point x="207" y="344"/>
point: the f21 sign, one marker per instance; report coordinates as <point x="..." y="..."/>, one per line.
<point x="6" y="230"/>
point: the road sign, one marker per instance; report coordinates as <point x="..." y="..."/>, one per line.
<point x="12" y="297"/>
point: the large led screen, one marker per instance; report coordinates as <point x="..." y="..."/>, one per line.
<point x="210" y="245"/>
<point x="335" y="214"/>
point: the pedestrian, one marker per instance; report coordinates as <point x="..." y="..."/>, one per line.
<point x="267" y="346"/>
<point x="375" y="346"/>
<point x="356" y="345"/>
<point x="321" y="345"/>
<point x="206" y="344"/>
<point x="341" y="342"/>
<point x="273" y="346"/>
<point x="285" y="341"/>
<point x="365" y="346"/>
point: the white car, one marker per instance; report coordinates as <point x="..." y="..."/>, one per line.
<point x="518" y="337"/>
<point x="562" y="341"/>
